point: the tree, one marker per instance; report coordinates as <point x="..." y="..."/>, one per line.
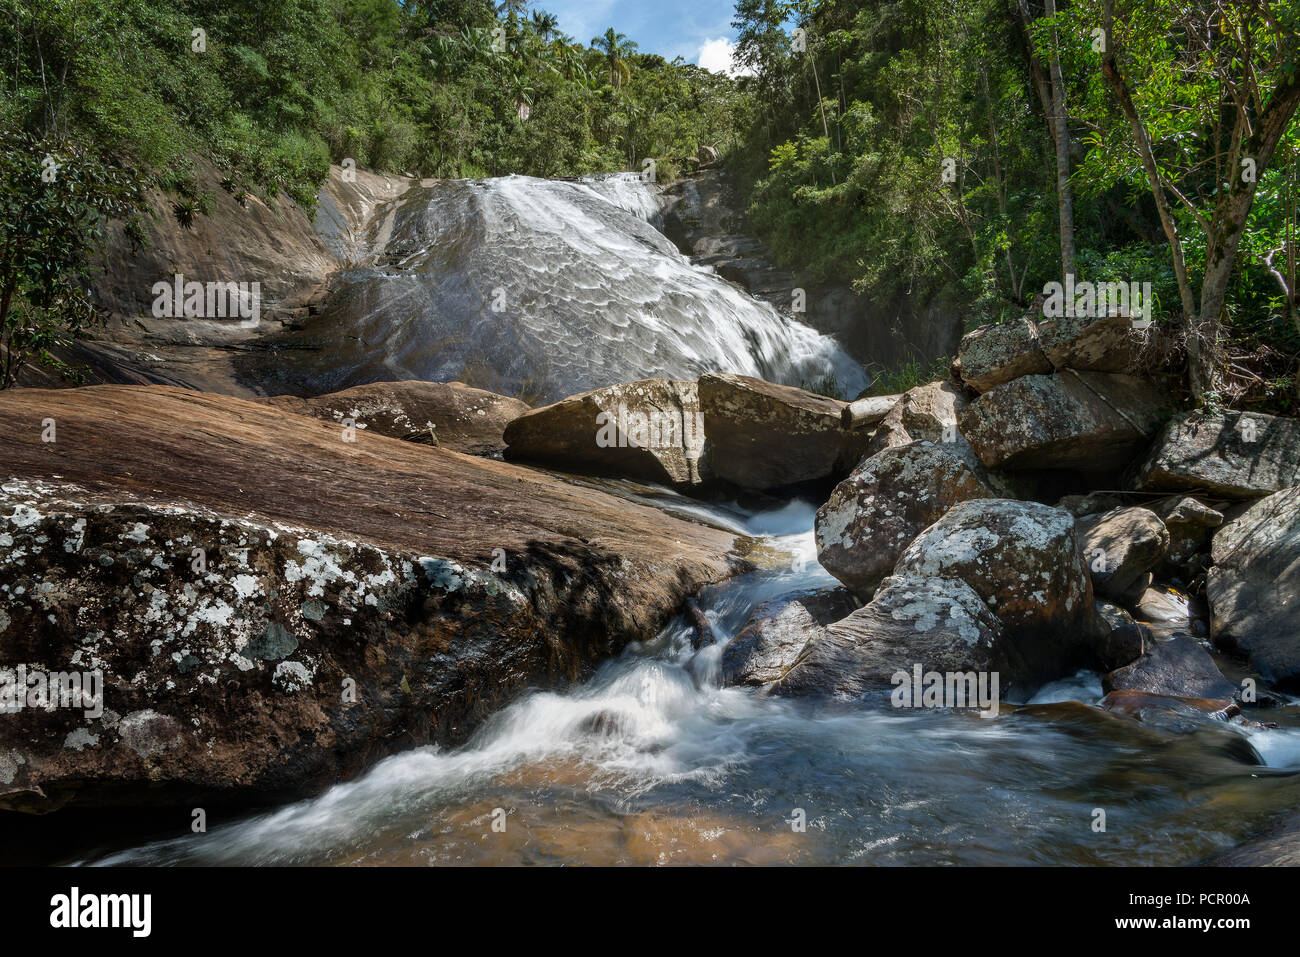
<point x="1220" y="59"/>
<point x="616" y="47"/>
<point x="54" y="200"/>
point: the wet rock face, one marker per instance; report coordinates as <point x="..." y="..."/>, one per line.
<point x="650" y="429"/>
<point x="1087" y="421"/>
<point x="450" y="415"/>
<point x="777" y="632"/>
<point x="894" y="495"/>
<point x="1234" y="455"/>
<point x="539" y="289"/>
<point x="995" y="354"/>
<point x="1121" y="547"/>
<point x="441" y="584"/>
<point x="1253" y="583"/>
<point x="1177" y="667"/>
<point x="764" y="436"/>
<point x="941" y="625"/>
<point x="1023" y="560"/>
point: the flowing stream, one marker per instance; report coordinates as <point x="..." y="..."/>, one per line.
<point x="651" y="761"/>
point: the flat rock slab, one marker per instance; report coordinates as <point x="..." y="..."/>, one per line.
<point x="1235" y="455"/>
<point x="1254" y="583"/>
<point x="765" y="436"/>
<point x="450" y="415"/>
<point x="1088" y="421"/>
<point x="229" y="567"/>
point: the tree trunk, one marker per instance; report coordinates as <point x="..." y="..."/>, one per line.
<point x="1061" y="134"/>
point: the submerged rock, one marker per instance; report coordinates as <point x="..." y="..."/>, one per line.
<point x="1253" y="584"/>
<point x="450" y="415"/>
<point x="273" y="608"/>
<point x="776" y="633"/>
<point x="1086" y="421"/>
<point x="886" y="502"/>
<point x="765" y="436"/>
<point x="1236" y="455"/>
<point x="651" y="429"/>
<point x="1177" y="667"/>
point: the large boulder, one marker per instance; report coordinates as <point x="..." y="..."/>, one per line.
<point x="939" y="624"/>
<point x="272" y="608"/>
<point x="776" y="633"/>
<point x="650" y="429"/>
<point x="995" y="354"/>
<point x="765" y="436"/>
<point x="1191" y="524"/>
<point x="1121" y="547"/>
<point x="1023" y="559"/>
<point x="886" y="502"/>
<point x="1086" y="421"/>
<point x="450" y="415"/>
<point x="1235" y="455"/>
<point x="1097" y="344"/>
<point x="927" y="412"/>
<point x="1253" y="584"/>
<point x="1177" y="667"/>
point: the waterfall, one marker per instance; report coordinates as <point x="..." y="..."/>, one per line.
<point x="541" y="288"/>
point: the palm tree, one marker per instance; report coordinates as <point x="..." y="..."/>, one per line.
<point x="546" y="24"/>
<point x="615" y="46"/>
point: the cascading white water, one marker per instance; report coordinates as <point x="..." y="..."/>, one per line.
<point x="543" y="288"/>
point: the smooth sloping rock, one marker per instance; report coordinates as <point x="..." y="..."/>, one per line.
<point x="1253" y="586"/>
<point x="765" y="436"/>
<point x="450" y="415"/>
<point x="229" y="567"/>
<point x="1023" y="560"/>
<point x="1236" y="455"/>
<point x="771" y="641"/>
<point x="1089" y="421"/>
<point x="649" y="429"/>
<point x="994" y="354"/>
<point x="1178" y="667"/>
<point x="1120" y="548"/>
<point x="1096" y="344"/>
<point x="886" y="502"/>
<point x="941" y="625"/>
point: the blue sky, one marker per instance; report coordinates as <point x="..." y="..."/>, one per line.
<point x="699" y="31"/>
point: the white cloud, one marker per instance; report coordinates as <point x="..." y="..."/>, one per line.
<point x="719" y="56"/>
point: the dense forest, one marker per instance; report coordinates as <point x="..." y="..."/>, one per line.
<point x="980" y="150"/>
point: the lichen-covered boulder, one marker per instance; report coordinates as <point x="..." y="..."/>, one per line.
<point x="650" y="429"/>
<point x="1085" y="421"/>
<point x="450" y="415"/>
<point x="886" y="502"/>
<point x="1253" y="585"/>
<point x="1023" y="560"/>
<point x="765" y="436"/>
<point x="994" y="354"/>
<point x="927" y="412"/>
<point x="942" y="625"/>
<point x="776" y="633"/>
<point x="1091" y="343"/>
<point x="1234" y="455"/>
<point x="1121" y="547"/>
